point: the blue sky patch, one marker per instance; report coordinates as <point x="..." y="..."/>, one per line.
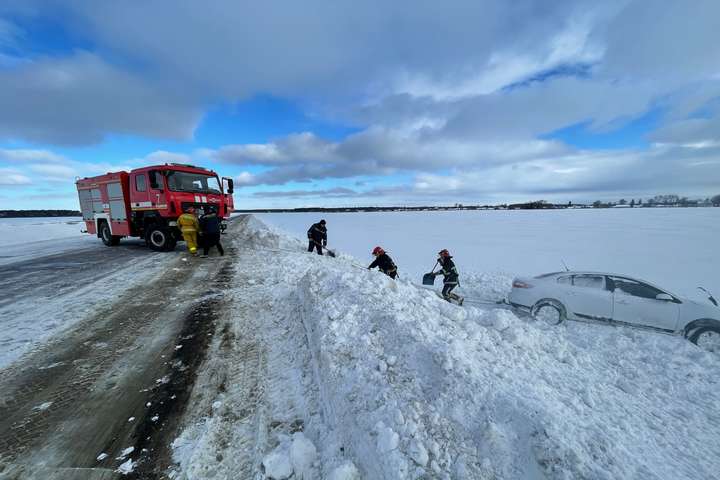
<point x="631" y="134"/>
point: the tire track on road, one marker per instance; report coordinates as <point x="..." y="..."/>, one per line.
<point x="72" y="398"/>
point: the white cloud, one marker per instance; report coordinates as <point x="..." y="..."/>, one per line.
<point x="30" y="155"/>
<point x="244" y="178"/>
<point x="10" y="177"/>
<point x="162" y="157"/>
<point x="81" y="98"/>
<point x="54" y="171"/>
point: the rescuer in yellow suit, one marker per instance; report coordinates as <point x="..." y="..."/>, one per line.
<point x="189" y="226"/>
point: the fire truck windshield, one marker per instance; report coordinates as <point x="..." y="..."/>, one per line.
<point x="192" y="182"/>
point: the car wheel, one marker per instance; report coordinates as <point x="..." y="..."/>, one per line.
<point x="551" y="312"/>
<point x="707" y="338"/>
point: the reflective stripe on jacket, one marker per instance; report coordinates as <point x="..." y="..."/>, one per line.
<point x="317" y="232"/>
<point x="449" y="271"/>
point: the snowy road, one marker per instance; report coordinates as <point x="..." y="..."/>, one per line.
<point x="119" y="377"/>
<point x="276" y="363"/>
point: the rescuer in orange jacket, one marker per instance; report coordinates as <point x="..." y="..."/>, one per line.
<point x="189" y="226"/>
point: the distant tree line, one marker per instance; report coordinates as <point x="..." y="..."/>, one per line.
<point x="657" y="201"/>
<point x="38" y="213"/>
<point x="661" y="201"/>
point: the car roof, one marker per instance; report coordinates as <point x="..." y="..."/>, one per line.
<point x="608" y="274"/>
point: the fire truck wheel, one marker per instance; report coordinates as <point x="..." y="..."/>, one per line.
<point x="108" y="238"/>
<point x="160" y="239"/>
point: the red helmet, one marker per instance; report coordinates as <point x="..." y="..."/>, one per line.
<point x="378" y="251"/>
<point x="444" y="253"/>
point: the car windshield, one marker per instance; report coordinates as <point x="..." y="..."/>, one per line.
<point x="192" y="182"/>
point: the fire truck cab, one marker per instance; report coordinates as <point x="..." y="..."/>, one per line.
<point x="146" y="202"/>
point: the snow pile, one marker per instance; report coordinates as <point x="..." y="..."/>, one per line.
<point x="327" y="370"/>
<point x="431" y="389"/>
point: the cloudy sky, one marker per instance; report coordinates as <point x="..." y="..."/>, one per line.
<point x="364" y="103"/>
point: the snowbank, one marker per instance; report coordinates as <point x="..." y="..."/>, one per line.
<point x="385" y="380"/>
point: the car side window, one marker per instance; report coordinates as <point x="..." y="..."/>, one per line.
<point x="566" y="280"/>
<point x="625" y="286"/>
<point x="589" y="281"/>
<point x="140" y="182"/>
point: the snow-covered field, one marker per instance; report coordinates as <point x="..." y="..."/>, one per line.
<point x="342" y="373"/>
<point x="672" y="247"/>
<point x="25" y="238"/>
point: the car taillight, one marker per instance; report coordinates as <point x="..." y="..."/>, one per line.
<point x="519" y="284"/>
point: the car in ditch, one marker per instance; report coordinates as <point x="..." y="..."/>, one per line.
<point x="617" y="299"/>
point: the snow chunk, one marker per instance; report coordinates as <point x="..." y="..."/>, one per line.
<point x="52" y="365"/>
<point x="126" y="467"/>
<point x="125" y="453"/>
<point x="503" y="319"/>
<point x="102" y="457"/>
<point x="387" y="440"/>
<point x="277" y="464"/>
<point x="302" y="455"/>
<point x="346" y="471"/>
<point x="43" y="406"/>
<point x="418" y="453"/>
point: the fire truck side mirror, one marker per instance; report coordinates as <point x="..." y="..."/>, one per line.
<point x="229" y="185"/>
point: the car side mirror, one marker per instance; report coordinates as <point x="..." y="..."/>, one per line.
<point x="664" y="297"/>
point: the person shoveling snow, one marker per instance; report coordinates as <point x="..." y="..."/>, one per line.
<point x="451" y="277"/>
<point x="317" y="238"/>
<point x="383" y="262"/>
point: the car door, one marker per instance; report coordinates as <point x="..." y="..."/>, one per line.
<point x="589" y="297"/>
<point x="635" y="302"/>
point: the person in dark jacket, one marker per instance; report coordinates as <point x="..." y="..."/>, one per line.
<point x="450" y="276"/>
<point x="210" y="228"/>
<point x="317" y="237"/>
<point x="383" y="262"/>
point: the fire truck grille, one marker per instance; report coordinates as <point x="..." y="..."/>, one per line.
<point x="201" y="208"/>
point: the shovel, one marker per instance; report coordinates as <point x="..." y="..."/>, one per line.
<point x="429" y="278"/>
<point x="329" y="252"/>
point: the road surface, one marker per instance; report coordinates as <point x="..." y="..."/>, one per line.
<point x="120" y="377"/>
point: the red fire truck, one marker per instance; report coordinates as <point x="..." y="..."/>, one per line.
<point x="146" y="202"/>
